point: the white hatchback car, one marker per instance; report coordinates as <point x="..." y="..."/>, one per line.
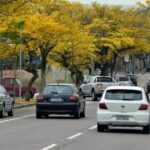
<point x="125" y="81"/>
<point x="124" y="106"/>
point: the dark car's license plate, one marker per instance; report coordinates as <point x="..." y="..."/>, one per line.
<point x="56" y="100"/>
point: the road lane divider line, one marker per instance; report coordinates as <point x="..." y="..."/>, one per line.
<point x="93" y="127"/>
<point x="49" y="147"/>
<point x="16" y="118"/>
<point x="74" y="136"/>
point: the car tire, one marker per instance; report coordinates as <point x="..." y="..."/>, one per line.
<point x="146" y="129"/>
<point x="101" y="128"/>
<point x="38" y="115"/>
<point x="83" y="113"/>
<point x="11" y="113"/>
<point x="94" y="97"/>
<point x="2" y="112"/>
<point x="46" y="116"/>
<point x="77" y="115"/>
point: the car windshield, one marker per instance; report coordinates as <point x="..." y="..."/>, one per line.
<point x="123" y="79"/>
<point x="129" y="95"/>
<point x="58" y="89"/>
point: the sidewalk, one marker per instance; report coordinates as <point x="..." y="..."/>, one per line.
<point x="20" y="103"/>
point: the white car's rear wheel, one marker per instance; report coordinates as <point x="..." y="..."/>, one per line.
<point x="101" y="128"/>
<point x="146" y="129"/>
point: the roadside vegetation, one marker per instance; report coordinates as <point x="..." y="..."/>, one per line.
<point x="71" y="35"/>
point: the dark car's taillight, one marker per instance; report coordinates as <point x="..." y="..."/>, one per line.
<point x="40" y="98"/>
<point x="73" y="98"/>
<point x="102" y="106"/>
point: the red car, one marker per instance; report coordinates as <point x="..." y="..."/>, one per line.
<point x="12" y="87"/>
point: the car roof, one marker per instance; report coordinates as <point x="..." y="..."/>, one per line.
<point x="133" y="75"/>
<point x="124" y="77"/>
<point x="125" y="88"/>
<point x="101" y="76"/>
<point x="68" y="84"/>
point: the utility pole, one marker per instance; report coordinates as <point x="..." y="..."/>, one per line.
<point x="20" y="62"/>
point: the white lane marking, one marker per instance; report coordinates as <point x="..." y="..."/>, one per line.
<point x="93" y="127"/>
<point x="74" y="136"/>
<point x="49" y="147"/>
<point x="16" y="118"/>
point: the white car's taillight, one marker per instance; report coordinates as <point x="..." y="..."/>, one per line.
<point x="143" y="107"/>
<point x="102" y="106"/>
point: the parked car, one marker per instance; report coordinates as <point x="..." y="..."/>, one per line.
<point x="133" y="78"/>
<point x="124" y="81"/>
<point x="6" y="103"/>
<point x="148" y="86"/>
<point x="12" y="87"/>
<point x="60" y="99"/>
<point x="94" y="86"/>
<point x="124" y="106"/>
<point x="148" y="68"/>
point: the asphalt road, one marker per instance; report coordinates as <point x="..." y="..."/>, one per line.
<point x="25" y="132"/>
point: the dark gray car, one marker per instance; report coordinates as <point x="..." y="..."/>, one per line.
<point x="60" y="99"/>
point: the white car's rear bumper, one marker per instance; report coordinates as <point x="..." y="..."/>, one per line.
<point x="128" y="119"/>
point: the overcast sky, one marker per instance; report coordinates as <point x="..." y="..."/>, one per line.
<point x="110" y="2"/>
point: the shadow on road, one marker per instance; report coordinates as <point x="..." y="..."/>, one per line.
<point x="125" y="130"/>
<point x="60" y="117"/>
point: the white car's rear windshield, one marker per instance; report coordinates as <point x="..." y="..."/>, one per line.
<point x="128" y="95"/>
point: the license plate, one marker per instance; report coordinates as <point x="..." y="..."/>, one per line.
<point x="122" y="118"/>
<point x="56" y="99"/>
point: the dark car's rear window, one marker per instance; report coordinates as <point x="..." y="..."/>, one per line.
<point x="58" y="89"/>
<point x="128" y="95"/>
<point x="123" y="79"/>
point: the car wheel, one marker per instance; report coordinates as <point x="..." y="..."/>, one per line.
<point x="38" y="115"/>
<point x="11" y="113"/>
<point x="101" y="128"/>
<point x="94" y="97"/>
<point x="77" y="115"/>
<point x="2" y="112"/>
<point x="83" y="113"/>
<point x="45" y="115"/>
<point x="146" y="129"/>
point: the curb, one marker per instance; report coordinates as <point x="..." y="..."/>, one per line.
<point x="23" y="105"/>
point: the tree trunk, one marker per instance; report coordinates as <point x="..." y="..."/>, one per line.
<point x="34" y="77"/>
<point x="104" y="69"/>
<point x="113" y="64"/>
<point x="43" y="73"/>
<point x="79" y="78"/>
<point x="116" y="67"/>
